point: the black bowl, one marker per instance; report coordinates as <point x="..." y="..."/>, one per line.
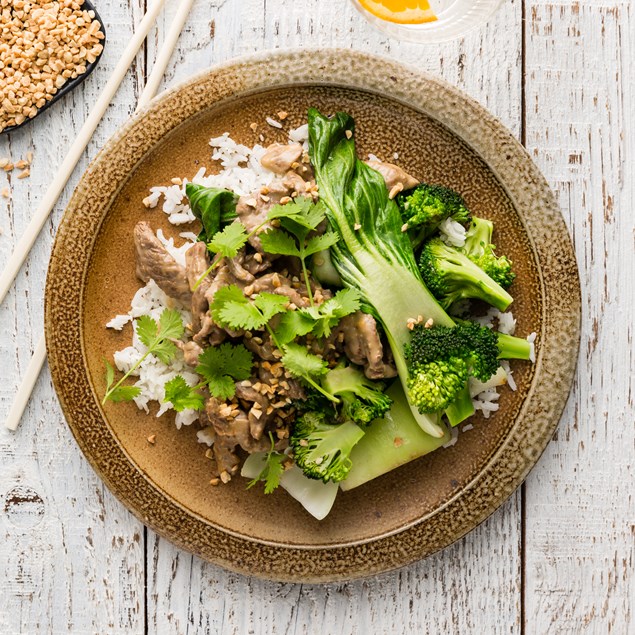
<point x="71" y="84"/>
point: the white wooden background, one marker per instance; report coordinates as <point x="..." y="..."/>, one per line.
<point x="559" y="557"/>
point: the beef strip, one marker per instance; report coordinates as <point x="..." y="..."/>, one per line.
<point x="280" y="158"/>
<point x="209" y="330"/>
<point x="262" y="346"/>
<point x="191" y="351"/>
<point x="196" y="264"/>
<point x="257" y="263"/>
<point x="232" y="431"/>
<point x="256" y="424"/>
<point x="154" y="262"/>
<point x="393" y="175"/>
<point x="362" y="345"/>
<point x="237" y="269"/>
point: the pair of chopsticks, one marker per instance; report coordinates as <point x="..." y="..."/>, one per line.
<point x="55" y="189"/>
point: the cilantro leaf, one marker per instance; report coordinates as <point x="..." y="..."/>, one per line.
<point x="298" y="219"/>
<point x="272" y="471"/>
<point x="110" y="374"/>
<point x="329" y="313"/>
<point x="182" y="396"/>
<point x="271" y="304"/>
<point x="302" y="364"/>
<point x="293" y="324"/>
<point x="170" y="324"/>
<point x="222" y="366"/>
<point x="124" y="393"/>
<point x="147" y="330"/>
<point x="302" y="209"/>
<point x="232" y="309"/>
<point x="316" y="244"/>
<point x="241" y="315"/>
<point x="156" y="337"/>
<point x="229" y="241"/>
<point x="276" y="241"/>
<point x="164" y="351"/>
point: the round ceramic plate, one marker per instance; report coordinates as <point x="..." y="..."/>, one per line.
<point x="439" y="135"/>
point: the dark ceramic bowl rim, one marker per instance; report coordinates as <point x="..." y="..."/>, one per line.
<point x="71" y="84"/>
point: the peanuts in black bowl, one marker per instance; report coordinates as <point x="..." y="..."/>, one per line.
<point x="48" y="50"/>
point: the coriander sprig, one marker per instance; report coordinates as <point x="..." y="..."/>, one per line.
<point x="221" y="367"/>
<point x="298" y="220"/>
<point x="156" y="337"/>
<point x="231" y="308"/>
<point x="272" y="471"/>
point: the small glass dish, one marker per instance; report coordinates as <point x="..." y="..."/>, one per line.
<point x="455" y="18"/>
<point x="71" y="84"/>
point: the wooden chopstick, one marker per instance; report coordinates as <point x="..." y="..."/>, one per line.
<point x="167" y="48"/>
<point x="54" y="190"/>
<point x="26" y="385"/>
<point x="39" y="356"/>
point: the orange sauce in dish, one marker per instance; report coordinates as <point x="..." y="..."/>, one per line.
<point x="400" y="11"/>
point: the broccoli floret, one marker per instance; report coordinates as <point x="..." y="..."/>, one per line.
<point x="315" y="401"/>
<point x="441" y="359"/>
<point x="425" y="207"/>
<point x="480" y="250"/>
<point x="362" y="399"/>
<point x="451" y="276"/>
<point x="434" y="385"/>
<point x="322" y="450"/>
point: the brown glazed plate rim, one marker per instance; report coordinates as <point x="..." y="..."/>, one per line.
<point x="559" y="330"/>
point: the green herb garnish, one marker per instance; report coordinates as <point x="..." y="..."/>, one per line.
<point x="157" y="339"/>
<point x="272" y="471"/>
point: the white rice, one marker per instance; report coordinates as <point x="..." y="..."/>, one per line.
<point x="452" y="233"/>
<point x="486" y="402"/>
<point x="510" y="375"/>
<point x="273" y="123"/>
<point x="299" y="134"/>
<point x="118" y="322"/>
<point x="152" y="374"/>
<point x="242" y="173"/>
<point x="504" y="322"/>
<point x="531" y="338"/>
<point x="455" y="437"/>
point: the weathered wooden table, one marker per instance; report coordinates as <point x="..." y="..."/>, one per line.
<point x="559" y="557"/>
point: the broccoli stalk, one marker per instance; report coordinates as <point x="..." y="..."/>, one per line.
<point x="322" y="450"/>
<point x="425" y="207"/>
<point x="452" y="276"/>
<point x="362" y="399"/>
<point x="480" y="250"/>
<point x="510" y="347"/>
<point x="373" y="255"/>
<point x="461" y="408"/>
